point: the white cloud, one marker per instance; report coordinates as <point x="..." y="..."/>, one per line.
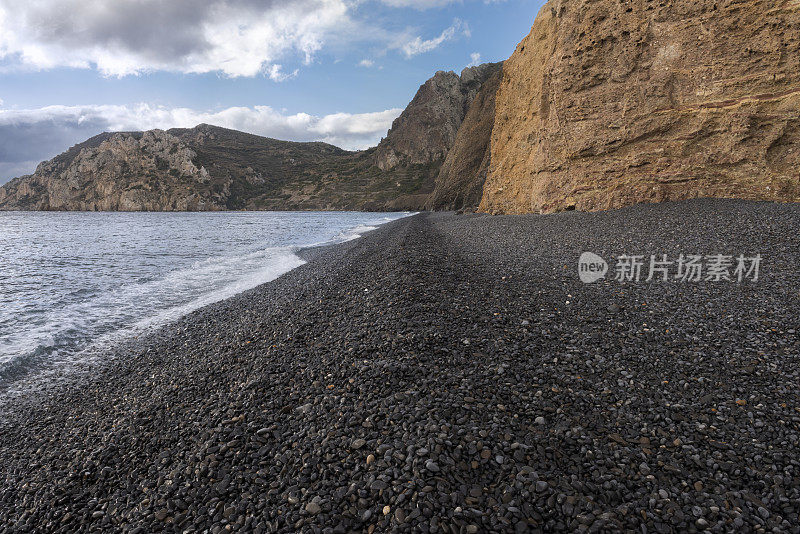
<point x="475" y="59"/>
<point x="419" y="46"/>
<point x="30" y="136"/>
<point x="232" y="37"/>
<point x="418" y="4"/>
<point x="366" y="63"/>
<point x="276" y="73"/>
<point x="123" y="37"/>
<point x="428" y="4"/>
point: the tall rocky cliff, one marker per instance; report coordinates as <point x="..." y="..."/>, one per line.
<point x="423" y="135"/>
<point x="609" y="103"/>
<point x="212" y="168"/>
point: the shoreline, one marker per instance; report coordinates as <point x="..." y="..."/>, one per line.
<point x="431" y="376"/>
<point x="35" y="376"/>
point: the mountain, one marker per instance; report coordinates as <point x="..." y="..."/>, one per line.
<point x="609" y="103"/>
<point x="213" y="168"/>
<point x="427" y="128"/>
<point x="205" y="168"/>
<point x="604" y="104"/>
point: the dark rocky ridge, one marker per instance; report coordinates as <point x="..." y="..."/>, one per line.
<point x="434" y="367"/>
<point x="459" y="184"/>
<point x="427" y="128"/>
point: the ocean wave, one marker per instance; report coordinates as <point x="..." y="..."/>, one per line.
<point x="133" y="308"/>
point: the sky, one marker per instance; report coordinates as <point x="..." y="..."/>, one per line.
<point x="337" y="71"/>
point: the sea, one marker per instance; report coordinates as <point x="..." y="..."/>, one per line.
<point x="71" y="283"/>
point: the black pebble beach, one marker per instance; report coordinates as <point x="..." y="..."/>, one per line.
<point x="445" y="373"/>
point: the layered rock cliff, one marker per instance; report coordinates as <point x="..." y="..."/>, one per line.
<point x="610" y="103"/>
<point x="211" y="168"/>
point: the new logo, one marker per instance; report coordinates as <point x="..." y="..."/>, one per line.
<point x="591" y="267"/>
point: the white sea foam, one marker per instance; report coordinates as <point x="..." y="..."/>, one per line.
<point x="134" y="308"/>
<point x="356" y="232"/>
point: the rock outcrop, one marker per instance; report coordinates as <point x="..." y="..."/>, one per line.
<point x="427" y="128"/>
<point x="421" y="137"/>
<point x="611" y="103"/>
<point x="459" y="184"/>
<point x="116" y="172"/>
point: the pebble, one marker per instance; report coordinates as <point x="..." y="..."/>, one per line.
<point x="599" y="421"/>
<point x="379" y="485"/>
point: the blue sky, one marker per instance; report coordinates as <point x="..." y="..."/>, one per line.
<point x="333" y="70"/>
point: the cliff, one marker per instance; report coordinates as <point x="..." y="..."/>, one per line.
<point x="607" y="104"/>
<point x="427" y="128"/>
<point x="120" y="171"/>
<point x="421" y="137"/>
<point x="212" y="168"/>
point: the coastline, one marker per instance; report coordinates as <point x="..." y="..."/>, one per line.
<point x="444" y="372"/>
<point x="237" y="270"/>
